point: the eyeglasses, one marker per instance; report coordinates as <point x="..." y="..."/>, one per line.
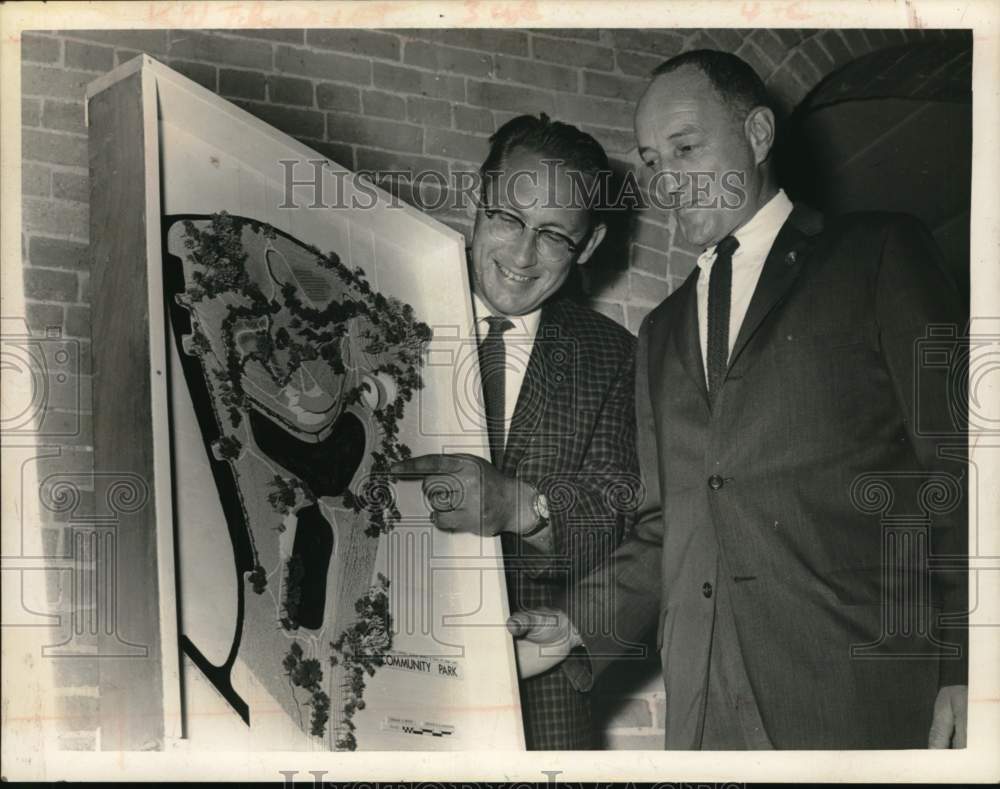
<point x="550" y="245"/>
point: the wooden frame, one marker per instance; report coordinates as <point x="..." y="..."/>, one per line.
<point x="139" y="696"/>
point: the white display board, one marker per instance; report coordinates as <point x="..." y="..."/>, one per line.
<point x="448" y="680"/>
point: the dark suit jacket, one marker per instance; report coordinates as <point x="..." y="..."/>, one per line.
<point x="572" y="437"/>
<point x="819" y="438"/>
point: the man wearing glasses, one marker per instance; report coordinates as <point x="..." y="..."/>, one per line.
<point x="557" y="386"/>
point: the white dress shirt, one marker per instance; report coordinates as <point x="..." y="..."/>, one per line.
<point x="518" y="342"/>
<point x="756" y="238"/>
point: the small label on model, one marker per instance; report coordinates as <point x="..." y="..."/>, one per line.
<point x="422" y="728"/>
<point x="431" y="666"/>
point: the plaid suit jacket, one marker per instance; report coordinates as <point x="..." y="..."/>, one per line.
<point x="572" y="437"/>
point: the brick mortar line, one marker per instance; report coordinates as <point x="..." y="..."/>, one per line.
<point x="819" y="42"/>
<point x="51" y="97"/>
<point x="28" y="264"/>
<point x="650" y="274"/>
<point x="70" y="449"/>
<point x="409" y="124"/>
<point x="60" y="132"/>
<point x="56" y="168"/>
<point x="30" y="234"/>
<point x="58" y="201"/>
<point x="640" y="303"/>
<point x="97" y="72"/>
<point x="433" y="42"/>
<point x="845" y="44"/>
<point x="71" y="412"/>
<point x="648" y="249"/>
<point x="789" y="54"/>
<point x="55" y="302"/>
<point x="345" y="53"/>
<point x="43" y="161"/>
<point x="865" y="38"/>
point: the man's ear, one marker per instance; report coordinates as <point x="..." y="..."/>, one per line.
<point x="596" y="237"/>
<point x="759" y="128"/>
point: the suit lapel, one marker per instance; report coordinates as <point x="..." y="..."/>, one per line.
<point x="781" y="269"/>
<point x="540" y="387"/>
<point x="686" y="336"/>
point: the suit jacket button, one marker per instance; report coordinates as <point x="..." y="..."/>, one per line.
<point x="706" y="589"/>
<point x="715" y="482"/>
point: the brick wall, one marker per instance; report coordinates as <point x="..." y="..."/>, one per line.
<point x="421" y="99"/>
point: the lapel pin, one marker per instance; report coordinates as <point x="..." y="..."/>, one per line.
<point x="791" y="257"/>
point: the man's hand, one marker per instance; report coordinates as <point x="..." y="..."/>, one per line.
<point x="469" y="494"/>
<point x="543" y="637"/>
<point x="950" y="717"/>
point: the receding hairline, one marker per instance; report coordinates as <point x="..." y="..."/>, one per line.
<point x="683" y="70"/>
<point x="745" y="93"/>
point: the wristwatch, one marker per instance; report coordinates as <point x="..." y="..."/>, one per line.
<point x="540" y="506"/>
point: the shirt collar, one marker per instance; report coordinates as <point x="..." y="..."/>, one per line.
<point x="757" y="235"/>
<point x="524" y="325"/>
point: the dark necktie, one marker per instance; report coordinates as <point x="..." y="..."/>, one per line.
<point x="720" y="288"/>
<point x="492" y="356"/>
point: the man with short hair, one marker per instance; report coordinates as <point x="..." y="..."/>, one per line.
<point x="557" y="390"/>
<point x="777" y="399"/>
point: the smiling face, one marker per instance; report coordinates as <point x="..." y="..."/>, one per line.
<point x="712" y="160"/>
<point x="510" y="276"/>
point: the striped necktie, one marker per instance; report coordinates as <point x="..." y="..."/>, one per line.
<point x="492" y="355"/>
<point x="720" y="287"/>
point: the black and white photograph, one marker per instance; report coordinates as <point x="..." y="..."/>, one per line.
<point x="389" y="379"/>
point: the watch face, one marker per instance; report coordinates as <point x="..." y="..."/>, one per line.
<point x="542" y="505"/>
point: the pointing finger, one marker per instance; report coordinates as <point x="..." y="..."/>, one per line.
<point x="445" y="521"/>
<point x="519" y="624"/>
<point x="444" y="493"/>
<point x="532" y="625"/>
